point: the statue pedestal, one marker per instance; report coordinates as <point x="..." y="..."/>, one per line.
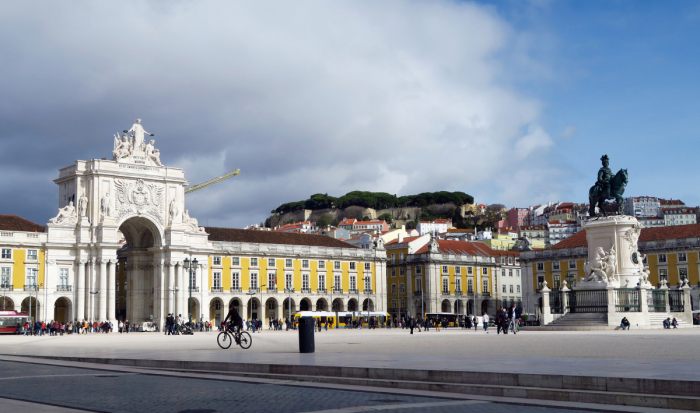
<point x="621" y="233"/>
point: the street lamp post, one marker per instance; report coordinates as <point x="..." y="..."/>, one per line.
<point x="253" y="294"/>
<point x="366" y="280"/>
<point x="191" y="266"/>
<point x="36" y="288"/>
<point x="289" y="305"/>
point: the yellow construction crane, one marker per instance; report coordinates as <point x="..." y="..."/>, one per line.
<point x="212" y="181"/>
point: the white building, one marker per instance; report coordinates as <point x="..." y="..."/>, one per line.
<point x="642" y="206"/>
<point x="679" y="216"/>
<point x="434" y="227"/>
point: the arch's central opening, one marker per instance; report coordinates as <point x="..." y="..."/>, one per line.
<point x="137" y="280"/>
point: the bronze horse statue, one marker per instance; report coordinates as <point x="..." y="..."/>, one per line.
<point x="613" y="191"/>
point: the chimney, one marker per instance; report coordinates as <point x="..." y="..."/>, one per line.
<point x="400" y="237"/>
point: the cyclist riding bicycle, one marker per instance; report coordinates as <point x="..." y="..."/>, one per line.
<point x="236" y="320"/>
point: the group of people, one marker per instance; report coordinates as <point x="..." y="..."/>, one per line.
<point x="668" y="323"/>
<point x="56" y="328"/>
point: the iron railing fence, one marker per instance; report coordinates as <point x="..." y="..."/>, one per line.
<point x="626" y="300"/>
<point x="676" y="301"/>
<point x="587" y="301"/>
<point x="656" y="301"/>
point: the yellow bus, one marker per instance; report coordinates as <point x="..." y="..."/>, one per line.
<point x="345" y="319"/>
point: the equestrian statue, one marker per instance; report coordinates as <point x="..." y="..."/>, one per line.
<point x="608" y="186"/>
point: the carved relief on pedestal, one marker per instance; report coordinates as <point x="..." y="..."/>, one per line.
<point x="140" y="198"/>
<point x="603" y="269"/>
<point x="191" y="223"/>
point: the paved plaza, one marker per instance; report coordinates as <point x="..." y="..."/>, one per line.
<point x="653" y="354"/>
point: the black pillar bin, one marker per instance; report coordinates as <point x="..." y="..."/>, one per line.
<point x="306" y="335"/>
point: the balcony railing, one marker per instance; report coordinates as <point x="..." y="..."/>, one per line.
<point x="458" y="292"/>
<point x="217" y="289"/>
<point x="486" y="294"/>
<point x="306" y="290"/>
<point x="322" y="291"/>
<point x="419" y="292"/>
<point x="194" y="289"/>
<point x="7" y="287"/>
<point x="338" y="290"/>
<point x="445" y="292"/>
<point x="31" y="288"/>
<point x="353" y="291"/>
<point x="288" y="290"/>
<point x="470" y="291"/>
<point x="368" y="291"/>
<point x="236" y="290"/>
<point x="64" y="288"/>
<point x="253" y="290"/>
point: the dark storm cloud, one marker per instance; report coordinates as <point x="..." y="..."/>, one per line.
<point x="302" y="97"/>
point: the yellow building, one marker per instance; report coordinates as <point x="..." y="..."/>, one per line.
<point x="427" y="275"/>
<point x="22" y="266"/>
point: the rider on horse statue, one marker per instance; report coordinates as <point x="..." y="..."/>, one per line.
<point x="608" y="186"/>
<point x="605" y="175"/>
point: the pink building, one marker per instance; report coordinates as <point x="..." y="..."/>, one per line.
<point x="516" y="218"/>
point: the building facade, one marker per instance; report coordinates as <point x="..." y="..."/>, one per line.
<point x="123" y="245"/>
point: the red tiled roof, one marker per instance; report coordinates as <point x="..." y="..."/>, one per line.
<point x="374" y="221"/>
<point x="405" y="240"/>
<point x="576" y="240"/>
<point x="670" y="202"/>
<point x="267" y="237"/>
<point x="455" y="247"/>
<point x="15" y="223"/>
<point x="532" y="227"/>
<point x="348" y="221"/>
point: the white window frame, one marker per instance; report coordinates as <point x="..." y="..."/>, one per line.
<point x="235" y="280"/>
<point x="322" y="281"/>
<point x="6" y="254"/>
<point x="321" y="265"/>
<point x="684" y="257"/>
<point x="445" y="269"/>
<point x="288" y="281"/>
<point x="32" y="255"/>
<point x="216" y="260"/>
<point x="445" y="285"/>
<point x="555" y="265"/>
<point x="271" y="281"/>
<point x="393" y="288"/>
<point x="402" y="288"/>
<point x="485" y="271"/>
<point x="353" y="266"/>
<point x="271" y="263"/>
<point x="419" y="284"/>
<point x="337" y="281"/>
<point x="368" y="266"/>
<point x="572" y="264"/>
<point x="305" y="283"/>
<point x="353" y="282"/>
<point x="305" y="264"/>
<point x="418" y="269"/>
<point x="6" y="276"/>
<point x="235" y="261"/>
<point x="31" y="273"/>
<point x="662" y="259"/>
<point x="254" y="280"/>
<point x="288" y="263"/>
<point x="253" y="262"/>
<point x="470" y="270"/>
<point x="393" y="272"/>
<point x="458" y="270"/>
<point x="485" y="285"/>
<point x="336" y="265"/>
<point x="401" y="272"/>
<point x="216" y="279"/>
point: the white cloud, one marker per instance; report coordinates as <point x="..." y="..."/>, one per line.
<point x="303" y="97"/>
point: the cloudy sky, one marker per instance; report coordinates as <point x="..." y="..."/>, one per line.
<point x="512" y="102"/>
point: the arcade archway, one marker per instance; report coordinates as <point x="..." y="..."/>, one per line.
<point x="288" y="306"/>
<point x="254" y="312"/>
<point x="31" y="306"/>
<point x="62" y="310"/>
<point x="217" y="311"/>
<point x="271" y="309"/>
<point x="337" y="305"/>
<point x="7" y="304"/>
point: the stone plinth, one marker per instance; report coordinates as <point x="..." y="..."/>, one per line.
<point x="616" y="236"/>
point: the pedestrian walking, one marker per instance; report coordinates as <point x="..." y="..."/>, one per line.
<point x="486" y="322"/>
<point x="411" y="324"/>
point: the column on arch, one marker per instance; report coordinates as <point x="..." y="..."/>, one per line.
<point x="80" y="290"/>
<point x="170" y="285"/>
<point x="103" y="286"/>
<point x="160" y="291"/>
<point x="182" y="290"/>
<point x="110" y="307"/>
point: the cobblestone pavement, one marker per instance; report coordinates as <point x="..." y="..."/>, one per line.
<point x="106" y="391"/>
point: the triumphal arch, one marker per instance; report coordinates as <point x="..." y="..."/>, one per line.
<point x="128" y="211"/>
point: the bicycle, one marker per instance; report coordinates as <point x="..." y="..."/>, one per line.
<point x="242" y="338"/>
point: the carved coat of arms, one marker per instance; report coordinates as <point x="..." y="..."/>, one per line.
<point x="140" y="198"/>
